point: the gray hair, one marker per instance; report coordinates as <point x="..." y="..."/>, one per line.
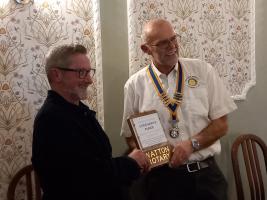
<point x="60" y="56"/>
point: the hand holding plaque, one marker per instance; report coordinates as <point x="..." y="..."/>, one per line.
<point x="150" y="137"/>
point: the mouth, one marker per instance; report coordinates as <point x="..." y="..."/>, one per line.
<point x="84" y="86"/>
<point x="171" y="53"/>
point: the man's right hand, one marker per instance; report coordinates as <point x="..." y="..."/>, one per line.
<point x="131" y="142"/>
<point x="141" y="158"/>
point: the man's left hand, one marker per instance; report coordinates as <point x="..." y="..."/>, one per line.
<point x="181" y="153"/>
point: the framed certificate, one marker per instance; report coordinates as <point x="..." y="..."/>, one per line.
<point x="150" y="137"/>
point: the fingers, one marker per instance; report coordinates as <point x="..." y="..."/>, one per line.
<point x="179" y="156"/>
<point x="145" y="166"/>
<point x="141" y="158"/>
<point x="176" y="162"/>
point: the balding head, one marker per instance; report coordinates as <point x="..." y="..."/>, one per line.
<point x="154" y="28"/>
<point x="160" y="42"/>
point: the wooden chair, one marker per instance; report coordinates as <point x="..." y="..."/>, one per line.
<point x="251" y="146"/>
<point x="33" y="189"/>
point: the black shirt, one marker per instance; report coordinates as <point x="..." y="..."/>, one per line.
<point x="72" y="155"/>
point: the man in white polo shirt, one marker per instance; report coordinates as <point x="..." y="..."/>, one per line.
<point x="192" y="103"/>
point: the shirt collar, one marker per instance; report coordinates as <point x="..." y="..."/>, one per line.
<point x="159" y="74"/>
<point x="53" y="95"/>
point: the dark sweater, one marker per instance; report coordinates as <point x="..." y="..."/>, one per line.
<point x="72" y="155"/>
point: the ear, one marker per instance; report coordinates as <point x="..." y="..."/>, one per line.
<point x="145" y="48"/>
<point x="56" y="75"/>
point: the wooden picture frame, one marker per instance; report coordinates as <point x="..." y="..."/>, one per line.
<point x="150" y="137"/>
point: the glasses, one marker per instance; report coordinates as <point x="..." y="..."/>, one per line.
<point x="82" y="72"/>
<point x="163" y="44"/>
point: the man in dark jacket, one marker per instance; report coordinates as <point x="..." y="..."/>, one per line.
<point x="71" y="153"/>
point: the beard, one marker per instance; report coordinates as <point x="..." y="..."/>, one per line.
<point x="81" y="92"/>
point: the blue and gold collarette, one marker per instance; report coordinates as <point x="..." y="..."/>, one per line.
<point x="171" y="103"/>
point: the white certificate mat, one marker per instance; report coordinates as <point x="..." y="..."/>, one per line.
<point x="149" y="130"/>
<point x="150" y="137"/>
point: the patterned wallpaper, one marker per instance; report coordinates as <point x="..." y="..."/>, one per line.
<point x="26" y="34"/>
<point x="221" y="32"/>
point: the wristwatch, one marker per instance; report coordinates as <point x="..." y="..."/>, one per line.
<point x="195" y="144"/>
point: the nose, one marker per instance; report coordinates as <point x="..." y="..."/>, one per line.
<point x="173" y="44"/>
<point x="88" y="79"/>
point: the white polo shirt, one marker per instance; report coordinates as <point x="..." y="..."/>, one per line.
<point x="204" y="100"/>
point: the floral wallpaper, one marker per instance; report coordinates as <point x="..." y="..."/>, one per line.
<point x="221" y="32"/>
<point x="26" y="34"/>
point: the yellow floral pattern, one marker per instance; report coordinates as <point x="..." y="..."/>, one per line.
<point x="26" y="34"/>
<point x="221" y="32"/>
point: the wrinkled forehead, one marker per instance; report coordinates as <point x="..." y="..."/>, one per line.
<point x="158" y="31"/>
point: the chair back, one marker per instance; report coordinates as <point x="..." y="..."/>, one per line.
<point x="33" y="189"/>
<point x="251" y="146"/>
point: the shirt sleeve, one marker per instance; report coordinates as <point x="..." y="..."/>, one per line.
<point x="220" y="101"/>
<point x="129" y="98"/>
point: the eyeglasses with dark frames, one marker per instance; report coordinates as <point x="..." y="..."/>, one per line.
<point x="83" y="73"/>
<point x="163" y="44"/>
